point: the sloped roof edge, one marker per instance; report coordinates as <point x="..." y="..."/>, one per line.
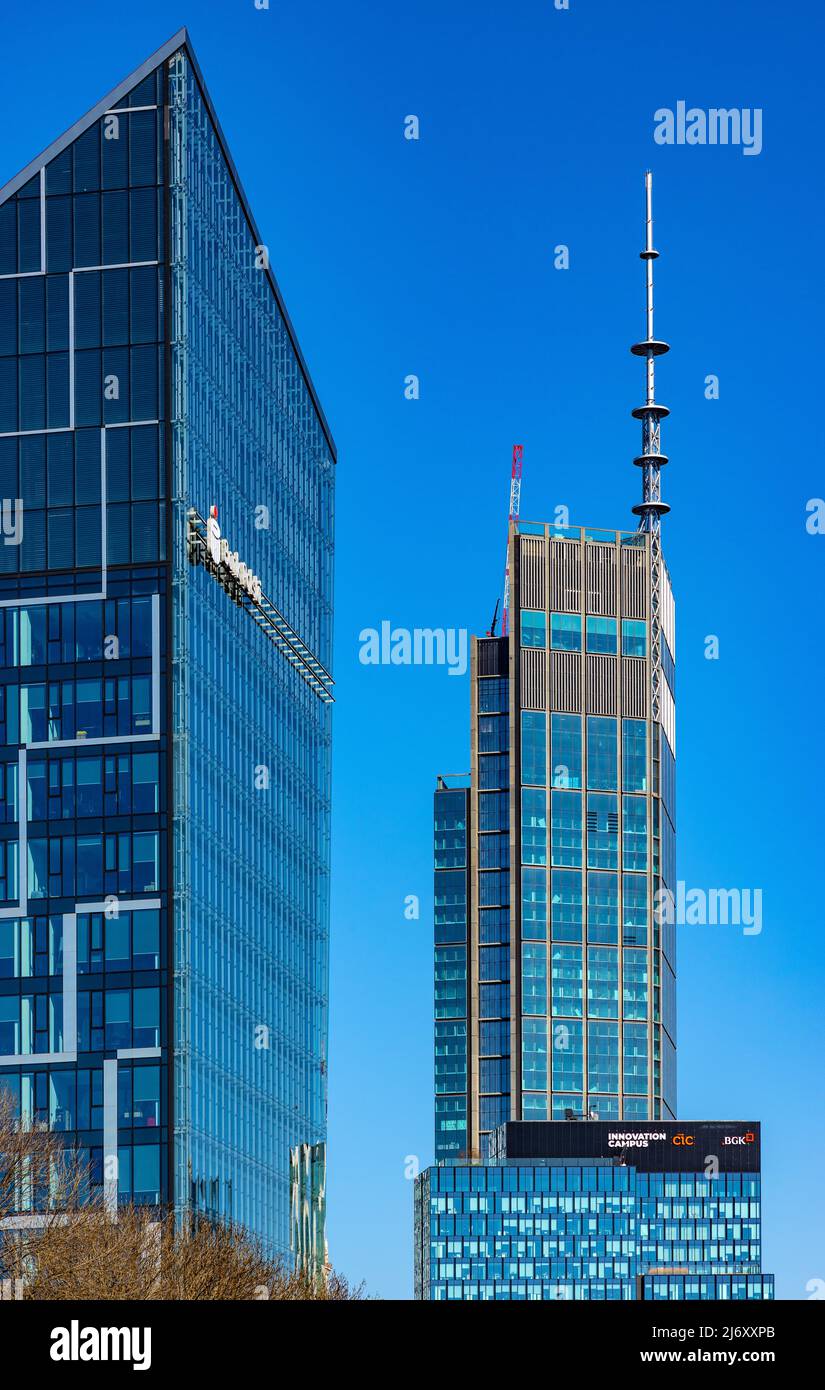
<point x="179" y="40"/>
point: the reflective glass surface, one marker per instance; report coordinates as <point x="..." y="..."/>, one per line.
<point x="586" y="1231"/>
<point x="252" y="739"/>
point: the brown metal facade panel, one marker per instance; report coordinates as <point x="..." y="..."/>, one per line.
<point x="635" y="583"/>
<point x="601" y="685"/>
<point x="565" y="576"/>
<point x="635" y="684"/>
<point x="566" y="682"/>
<point x="602" y="589"/>
<point x="532" y="569"/>
<point x="533" y="693"/>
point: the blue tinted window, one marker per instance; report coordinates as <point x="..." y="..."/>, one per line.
<point x="534" y="747"/>
<point x="565" y="632"/>
<point x="143" y="157"/>
<point x="534" y="1054"/>
<point x="567" y="909"/>
<point x="634" y="755"/>
<point x="567" y="980"/>
<point x="533" y="825"/>
<point x="494" y="851"/>
<point x="58" y="234"/>
<point x="567" y="1056"/>
<point x="28" y="236"/>
<point x="493" y="733"/>
<point x="567" y="829"/>
<point x="634" y="637"/>
<point x="450" y="907"/>
<point x="32" y="321"/>
<point x="533" y="977"/>
<point x="86" y="151"/>
<point x="493" y="771"/>
<point x="533" y="629"/>
<point x="87" y="249"/>
<point x="634" y="832"/>
<point x="493" y="694"/>
<point x="602" y="766"/>
<point x="566" y="750"/>
<point x="602" y="831"/>
<point x="494" y="812"/>
<point x="494" y="1001"/>
<point x="114" y="208"/>
<point x="534" y="903"/>
<point x="603" y="907"/>
<point x="494" y="963"/>
<point x="493" y="924"/>
<point x="450" y="981"/>
<point x="450" y="1056"/>
<point x="635" y="1058"/>
<point x="601" y="635"/>
<point x="8" y="237"/>
<point x="602" y="982"/>
<point x="603" y="1056"/>
<point x="635" y="984"/>
<point x="634" y="911"/>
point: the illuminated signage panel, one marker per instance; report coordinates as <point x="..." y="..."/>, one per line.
<point x="654" y="1146"/>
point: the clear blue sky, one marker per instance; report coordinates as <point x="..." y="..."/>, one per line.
<point x="436" y="258"/>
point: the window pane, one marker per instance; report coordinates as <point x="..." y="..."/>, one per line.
<point x="634" y="637"/>
<point x="565" y="632"/>
<point x="533" y="629"/>
<point x="602" y="769"/>
<point x="601" y="635"/>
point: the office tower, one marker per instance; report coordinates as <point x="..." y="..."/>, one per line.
<point x="555" y="982"/>
<point x="596" y="1211"/>
<point x="166" y="621"/>
<point x="561" y="1172"/>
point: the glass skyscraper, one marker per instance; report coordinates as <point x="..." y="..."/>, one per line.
<point x="555" y="959"/>
<point x="555" y="966"/>
<point x="555" y="981"/>
<point x="166" y="629"/>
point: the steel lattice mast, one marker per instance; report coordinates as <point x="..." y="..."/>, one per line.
<point x="651" y="509"/>
<point x="515" y="507"/>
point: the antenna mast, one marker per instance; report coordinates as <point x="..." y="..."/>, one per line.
<point x="515" y="504"/>
<point x="651" y="460"/>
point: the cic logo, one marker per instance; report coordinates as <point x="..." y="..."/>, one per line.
<point x="683" y="1140"/>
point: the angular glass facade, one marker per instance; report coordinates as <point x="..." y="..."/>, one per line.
<point x="165" y="760"/>
<point x="251" y="737"/>
<point x="591" y="1228"/>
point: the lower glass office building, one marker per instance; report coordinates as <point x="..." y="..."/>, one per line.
<point x="589" y="1210"/>
<point x="166" y="554"/>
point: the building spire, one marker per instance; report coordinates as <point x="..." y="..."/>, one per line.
<point x="651" y="509"/>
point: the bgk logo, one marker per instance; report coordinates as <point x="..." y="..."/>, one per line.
<point x="748" y="1138"/>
